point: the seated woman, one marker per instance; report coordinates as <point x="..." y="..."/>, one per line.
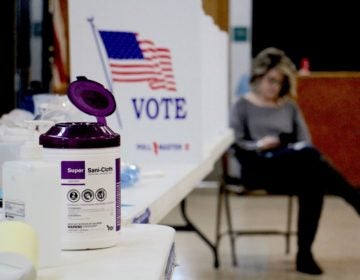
<point x="274" y="148"/>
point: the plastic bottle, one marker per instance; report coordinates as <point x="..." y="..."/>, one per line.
<point x="88" y="154"/>
<point x="32" y="195"/>
<point x="304" y="66"/>
<point x="10" y="144"/>
<point x="130" y="174"/>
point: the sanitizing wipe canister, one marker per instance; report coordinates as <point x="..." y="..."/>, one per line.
<point x="88" y="154"/>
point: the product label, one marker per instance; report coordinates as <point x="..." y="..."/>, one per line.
<point x="14" y="210"/>
<point x="91" y="191"/>
<point x="73" y="170"/>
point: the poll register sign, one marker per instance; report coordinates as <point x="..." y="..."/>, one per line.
<point x="165" y="63"/>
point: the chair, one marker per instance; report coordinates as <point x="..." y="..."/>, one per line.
<point x="233" y="186"/>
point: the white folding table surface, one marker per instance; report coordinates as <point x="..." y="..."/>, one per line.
<point x="143" y="252"/>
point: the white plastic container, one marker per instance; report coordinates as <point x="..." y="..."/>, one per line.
<point x="14" y="137"/>
<point x="90" y="194"/>
<point x="88" y="156"/>
<point x="31" y="195"/>
<point x="10" y="143"/>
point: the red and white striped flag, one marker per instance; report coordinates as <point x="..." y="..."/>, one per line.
<point x="134" y="60"/>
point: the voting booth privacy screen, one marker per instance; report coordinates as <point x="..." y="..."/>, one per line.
<point x="166" y="63"/>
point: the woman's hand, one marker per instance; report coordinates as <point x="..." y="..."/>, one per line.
<point x="268" y="142"/>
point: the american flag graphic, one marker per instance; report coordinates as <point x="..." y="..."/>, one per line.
<point x="134" y="60"/>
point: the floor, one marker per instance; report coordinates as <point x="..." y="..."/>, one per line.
<point x="337" y="247"/>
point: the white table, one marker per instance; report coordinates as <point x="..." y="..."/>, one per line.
<point x="143" y="252"/>
<point x="153" y="198"/>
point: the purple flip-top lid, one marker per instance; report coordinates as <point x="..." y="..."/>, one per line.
<point x="94" y="99"/>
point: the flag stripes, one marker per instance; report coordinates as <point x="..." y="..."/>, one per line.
<point x="133" y="60"/>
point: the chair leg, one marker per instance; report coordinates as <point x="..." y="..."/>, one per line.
<point x="288" y="224"/>
<point x="230" y="227"/>
<point x="219" y="217"/>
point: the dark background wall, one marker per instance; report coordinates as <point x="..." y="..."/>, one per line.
<point x="326" y="32"/>
<point x="7" y="51"/>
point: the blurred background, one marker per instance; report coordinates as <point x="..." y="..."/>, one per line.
<point x="35" y="38"/>
<point x="35" y="58"/>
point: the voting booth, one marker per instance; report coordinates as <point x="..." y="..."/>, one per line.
<point x="166" y="63"/>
